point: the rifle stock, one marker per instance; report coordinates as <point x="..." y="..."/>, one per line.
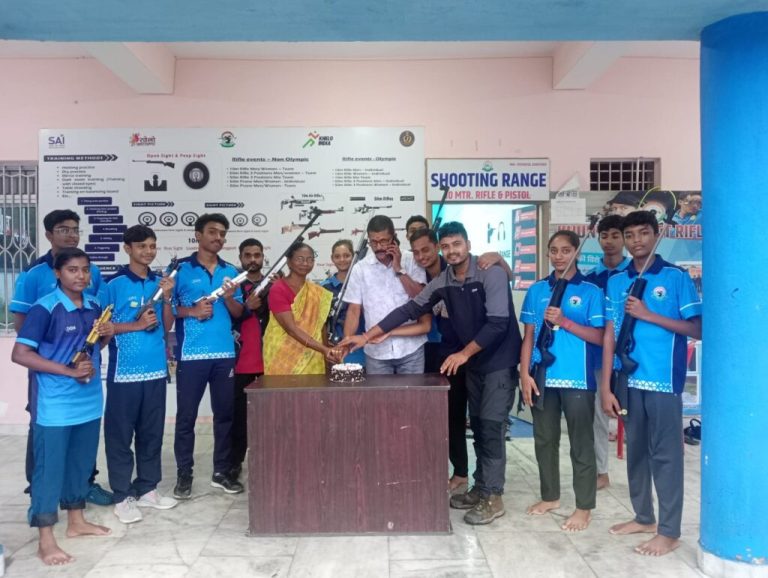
<point x="625" y="343"/>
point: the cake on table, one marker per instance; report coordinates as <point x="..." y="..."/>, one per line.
<point x="347" y="373"/>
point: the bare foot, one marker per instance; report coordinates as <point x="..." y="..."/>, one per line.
<point x="603" y="481"/>
<point x="577" y="521"/>
<point x="657" y="546"/>
<point x="541" y="508"/>
<point x="49" y="551"/>
<point x="84" y="528"/>
<point x="632" y="527"/>
<point x="457" y="485"/>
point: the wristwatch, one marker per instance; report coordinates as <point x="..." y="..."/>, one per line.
<point x="400" y="272"/>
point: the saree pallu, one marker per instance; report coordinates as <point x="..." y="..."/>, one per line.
<point x="283" y="355"/>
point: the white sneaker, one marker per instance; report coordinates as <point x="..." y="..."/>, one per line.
<point x="154" y="500"/>
<point x="127" y="512"/>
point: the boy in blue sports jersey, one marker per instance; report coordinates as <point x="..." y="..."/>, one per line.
<point x="65" y="401"/>
<point x="613" y="261"/>
<point x="668" y="313"/>
<point x="206" y="353"/>
<point x="136" y="379"/>
<point x="570" y="380"/>
<point x="62" y="229"/>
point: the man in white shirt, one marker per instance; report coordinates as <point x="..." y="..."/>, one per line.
<point x="383" y="281"/>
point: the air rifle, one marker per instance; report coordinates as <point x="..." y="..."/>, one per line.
<point x="338" y="301"/>
<point x="625" y="343"/>
<point x="546" y="337"/>
<point x="438" y="219"/>
<point x="92" y="337"/>
<point x="368" y="208"/>
<point x="279" y="264"/>
<point x="164" y="163"/>
<point x="313" y="234"/>
<point x="294" y="202"/>
<point x="173" y="269"/>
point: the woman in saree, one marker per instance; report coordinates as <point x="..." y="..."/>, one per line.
<point x="294" y="342"/>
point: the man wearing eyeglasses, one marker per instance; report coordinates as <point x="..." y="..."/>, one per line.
<point x="62" y="229"/>
<point x="379" y="284"/>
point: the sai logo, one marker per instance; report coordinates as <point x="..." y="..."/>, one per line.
<point x="659" y="293"/>
<point x="487" y="166"/>
<point x="56" y="142"/>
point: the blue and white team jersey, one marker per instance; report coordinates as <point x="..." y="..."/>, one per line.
<point x="660" y="353"/>
<point x="212" y="338"/>
<point x="39" y="280"/>
<point x="137" y="355"/>
<point x="582" y="304"/>
<point x="57" y="329"/>
<point x="599" y="276"/>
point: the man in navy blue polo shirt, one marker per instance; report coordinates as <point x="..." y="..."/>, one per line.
<point x="62" y="229"/>
<point x="613" y="261"/>
<point x="205" y="349"/>
<point x="668" y="313"/>
<point x="482" y="316"/>
<point x="136" y="379"/>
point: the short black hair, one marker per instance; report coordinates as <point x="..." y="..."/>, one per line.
<point x="346" y="243"/>
<point x="206" y="218"/>
<point x="137" y="234"/>
<point x="59" y="216"/>
<point x="250" y="242"/>
<point x="452" y="229"/>
<point x="380" y="224"/>
<point x="609" y="222"/>
<point x="572" y="237"/>
<point x="636" y="218"/>
<point x="416" y="219"/>
<point x="298" y="247"/>
<point x="419" y="233"/>
<point x="66" y="255"/>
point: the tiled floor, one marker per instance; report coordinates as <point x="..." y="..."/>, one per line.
<point x="206" y="535"/>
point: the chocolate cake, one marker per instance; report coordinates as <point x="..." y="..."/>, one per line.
<point x="347" y="373"/>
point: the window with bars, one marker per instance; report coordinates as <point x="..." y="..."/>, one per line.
<point x="18" y="222"/>
<point x="638" y="174"/>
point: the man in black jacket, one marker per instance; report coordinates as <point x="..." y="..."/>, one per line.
<point x="482" y="315"/>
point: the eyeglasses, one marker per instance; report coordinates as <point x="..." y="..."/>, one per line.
<point x="381" y="243"/>
<point x="303" y="260"/>
<point x="67" y="230"/>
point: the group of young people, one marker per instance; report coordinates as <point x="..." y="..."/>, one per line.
<point x="436" y="307"/>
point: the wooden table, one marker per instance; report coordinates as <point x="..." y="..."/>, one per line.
<point x="348" y="458"/>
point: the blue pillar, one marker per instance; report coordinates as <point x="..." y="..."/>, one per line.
<point x="734" y="149"/>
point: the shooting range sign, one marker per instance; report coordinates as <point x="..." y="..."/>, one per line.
<point x="489" y="180"/>
<point x="266" y="181"/>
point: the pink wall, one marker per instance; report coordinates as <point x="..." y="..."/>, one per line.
<point x="469" y="108"/>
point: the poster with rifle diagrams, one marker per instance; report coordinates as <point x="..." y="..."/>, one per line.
<point x="266" y="181"/>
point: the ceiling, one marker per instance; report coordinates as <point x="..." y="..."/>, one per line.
<point x="362" y="20"/>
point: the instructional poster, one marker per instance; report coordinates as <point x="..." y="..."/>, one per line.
<point x="266" y="181"/>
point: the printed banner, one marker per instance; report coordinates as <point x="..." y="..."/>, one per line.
<point x="264" y="180"/>
<point x="490" y="180"/>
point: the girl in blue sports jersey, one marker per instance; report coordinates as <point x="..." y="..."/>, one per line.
<point x="570" y="381"/>
<point x="65" y="401"/>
